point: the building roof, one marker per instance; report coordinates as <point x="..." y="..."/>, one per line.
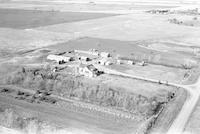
<point x="90" y="67"/>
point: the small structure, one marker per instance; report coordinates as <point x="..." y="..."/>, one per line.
<point x="105" y="54"/>
<point x="104" y="62"/>
<point x="90" y="52"/>
<point x="59" y="58"/>
<point x="55" y="69"/>
<point x="84" y="58"/>
<point x="94" y="52"/>
<point x="119" y="62"/>
<point x="87" y="70"/>
<point x="142" y="63"/>
<point x="130" y="62"/>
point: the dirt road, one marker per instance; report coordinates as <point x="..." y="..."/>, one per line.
<point x="180" y="122"/>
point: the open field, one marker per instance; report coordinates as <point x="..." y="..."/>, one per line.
<point x="130" y="28"/>
<point x="157" y="72"/>
<point x="66" y="118"/>
<point x="24" y="19"/>
<point x="12" y="41"/>
<point x="84" y="7"/>
<point x="194" y="121"/>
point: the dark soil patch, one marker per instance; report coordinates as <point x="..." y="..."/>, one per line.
<point x="21" y="19"/>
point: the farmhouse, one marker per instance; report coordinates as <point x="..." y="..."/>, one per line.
<point x="105" y="54"/>
<point x="87" y="70"/>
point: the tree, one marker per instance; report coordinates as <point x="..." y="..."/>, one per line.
<point x="41" y="85"/>
<point x="50" y="85"/>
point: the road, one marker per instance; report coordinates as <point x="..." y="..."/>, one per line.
<point x="180" y="122"/>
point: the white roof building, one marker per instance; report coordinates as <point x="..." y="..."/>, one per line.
<point x="105" y="54"/>
<point x="104" y="62"/>
<point x="142" y="63"/>
<point x="90" y="52"/>
<point x="87" y="70"/>
<point x="84" y="58"/>
<point x="130" y="62"/>
<point x="59" y="58"/>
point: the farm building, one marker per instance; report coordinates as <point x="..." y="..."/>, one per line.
<point x="130" y="62"/>
<point x="90" y="52"/>
<point x="84" y="58"/>
<point x="119" y="62"/>
<point x="94" y="52"/>
<point x="59" y="58"/>
<point x="87" y="70"/>
<point x="105" y="54"/>
<point x="104" y="62"/>
<point x="142" y="63"/>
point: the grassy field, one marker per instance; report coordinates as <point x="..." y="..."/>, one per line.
<point x="158" y="72"/>
<point x="131" y="27"/>
<point x="66" y="118"/>
<point x="169" y="113"/>
<point x="193" y="125"/>
<point x="84" y="7"/>
<point x="22" y="19"/>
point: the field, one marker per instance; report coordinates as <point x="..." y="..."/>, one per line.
<point x="13" y="21"/>
<point x="129" y="28"/>
<point x="194" y="123"/>
<point x="84" y="7"/>
<point x="25" y="19"/>
<point x="72" y="120"/>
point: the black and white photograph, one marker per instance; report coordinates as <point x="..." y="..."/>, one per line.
<point x="99" y="66"/>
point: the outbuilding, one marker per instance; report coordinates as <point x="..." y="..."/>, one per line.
<point x="142" y="63"/>
<point x="59" y="58"/>
<point x="104" y="62"/>
<point x="87" y="70"/>
<point x="84" y="58"/>
<point x="130" y="62"/>
<point x="105" y="54"/>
